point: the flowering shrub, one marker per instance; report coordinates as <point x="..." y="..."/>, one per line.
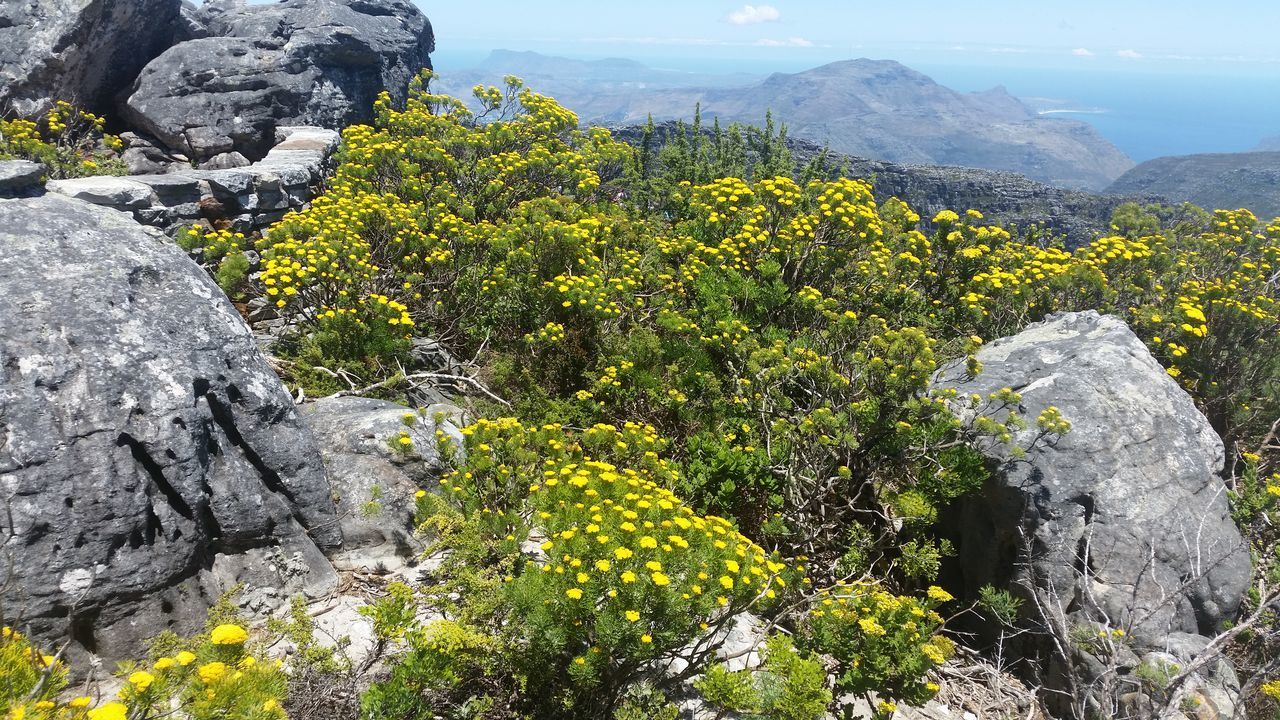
<point x="69" y="141"/>
<point x="882" y="643"/>
<point x="212" y="676"/>
<point x="758" y="350"/>
<point x="625" y="574"/>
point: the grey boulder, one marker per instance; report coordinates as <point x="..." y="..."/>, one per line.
<point x="1124" y="520"/>
<point x="296" y="62"/>
<point x="149" y="457"/>
<point x="81" y="51"/>
<point x="374" y="479"/>
<point x="21" y="177"/>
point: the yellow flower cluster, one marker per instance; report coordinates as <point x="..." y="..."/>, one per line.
<point x="621" y="556"/>
<point x="68" y="140"/>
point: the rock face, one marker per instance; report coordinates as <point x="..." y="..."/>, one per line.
<point x="82" y="51"/>
<point x="1217" y="180"/>
<point x="21" y="178"/>
<point x="1125" y="516"/>
<point x="374" y="484"/>
<point x="296" y="62"/>
<point x="243" y="198"/>
<point x="149" y="457"/>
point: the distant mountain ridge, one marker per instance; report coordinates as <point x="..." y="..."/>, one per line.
<point x="870" y="108"/>
<point x="1222" y="180"/>
<point x="1271" y="144"/>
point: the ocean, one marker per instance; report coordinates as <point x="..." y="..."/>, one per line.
<point x="1146" y="115"/>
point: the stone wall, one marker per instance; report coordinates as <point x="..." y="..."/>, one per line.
<point x="247" y="198"/>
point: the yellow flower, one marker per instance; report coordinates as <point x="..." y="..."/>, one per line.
<point x="603" y="565"/>
<point x="660" y="579"/>
<point x="228" y="635"/>
<point x="212" y="672"/>
<point x="110" y="711"/>
<point x="573" y="593"/>
<point x="633" y="615"/>
<point x="628" y="577"/>
<point x="937" y="594"/>
<point x="141" y="680"/>
<point x="164" y="663"/>
<point x="646" y="638"/>
<point x="622" y="553"/>
<point x="185" y="658"/>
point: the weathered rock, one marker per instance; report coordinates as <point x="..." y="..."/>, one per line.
<point x="21" y="177"/>
<point x="143" y="157"/>
<point x="82" y="51"/>
<point x="246" y="198"/>
<point x="374" y="482"/>
<point x="299" y="62"/>
<point x="149" y="457"/>
<point x="117" y="192"/>
<point x="1125" y="516"/>
<point x="225" y="161"/>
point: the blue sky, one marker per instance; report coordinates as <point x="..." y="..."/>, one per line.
<point x="1225" y="37"/>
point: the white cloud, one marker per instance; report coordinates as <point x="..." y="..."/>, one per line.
<point x="754" y="14"/>
<point x="789" y="42"/>
<point x="1082" y="52"/>
<point x="1129" y="54"/>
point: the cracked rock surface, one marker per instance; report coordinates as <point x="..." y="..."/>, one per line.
<point x="82" y="51"/>
<point x="258" y="66"/>
<point x="149" y="457"/>
<point x="1125" y="517"/>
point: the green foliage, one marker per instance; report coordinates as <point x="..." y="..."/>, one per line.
<point x="424" y="680"/>
<point x="729" y="691"/>
<point x="1000" y="605"/>
<point x="30" y="677"/>
<point x="231" y="274"/>
<point x="787" y="686"/>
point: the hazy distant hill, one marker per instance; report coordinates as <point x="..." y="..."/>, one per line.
<point x="1227" y="180"/>
<point x="610" y="73"/>
<point x="1005" y="197"/>
<point x="1271" y="144"/>
<point x="871" y="108"/>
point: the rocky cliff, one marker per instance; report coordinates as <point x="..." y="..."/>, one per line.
<point x="1225" y="180"/>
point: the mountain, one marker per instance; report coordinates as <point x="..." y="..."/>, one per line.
<point x="1008" y="198"/>
<point x="870" y="108"/>
<point x="1225" y="180"/>
<point x="565" y="77"/>
<point x="1271" y="144"/>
